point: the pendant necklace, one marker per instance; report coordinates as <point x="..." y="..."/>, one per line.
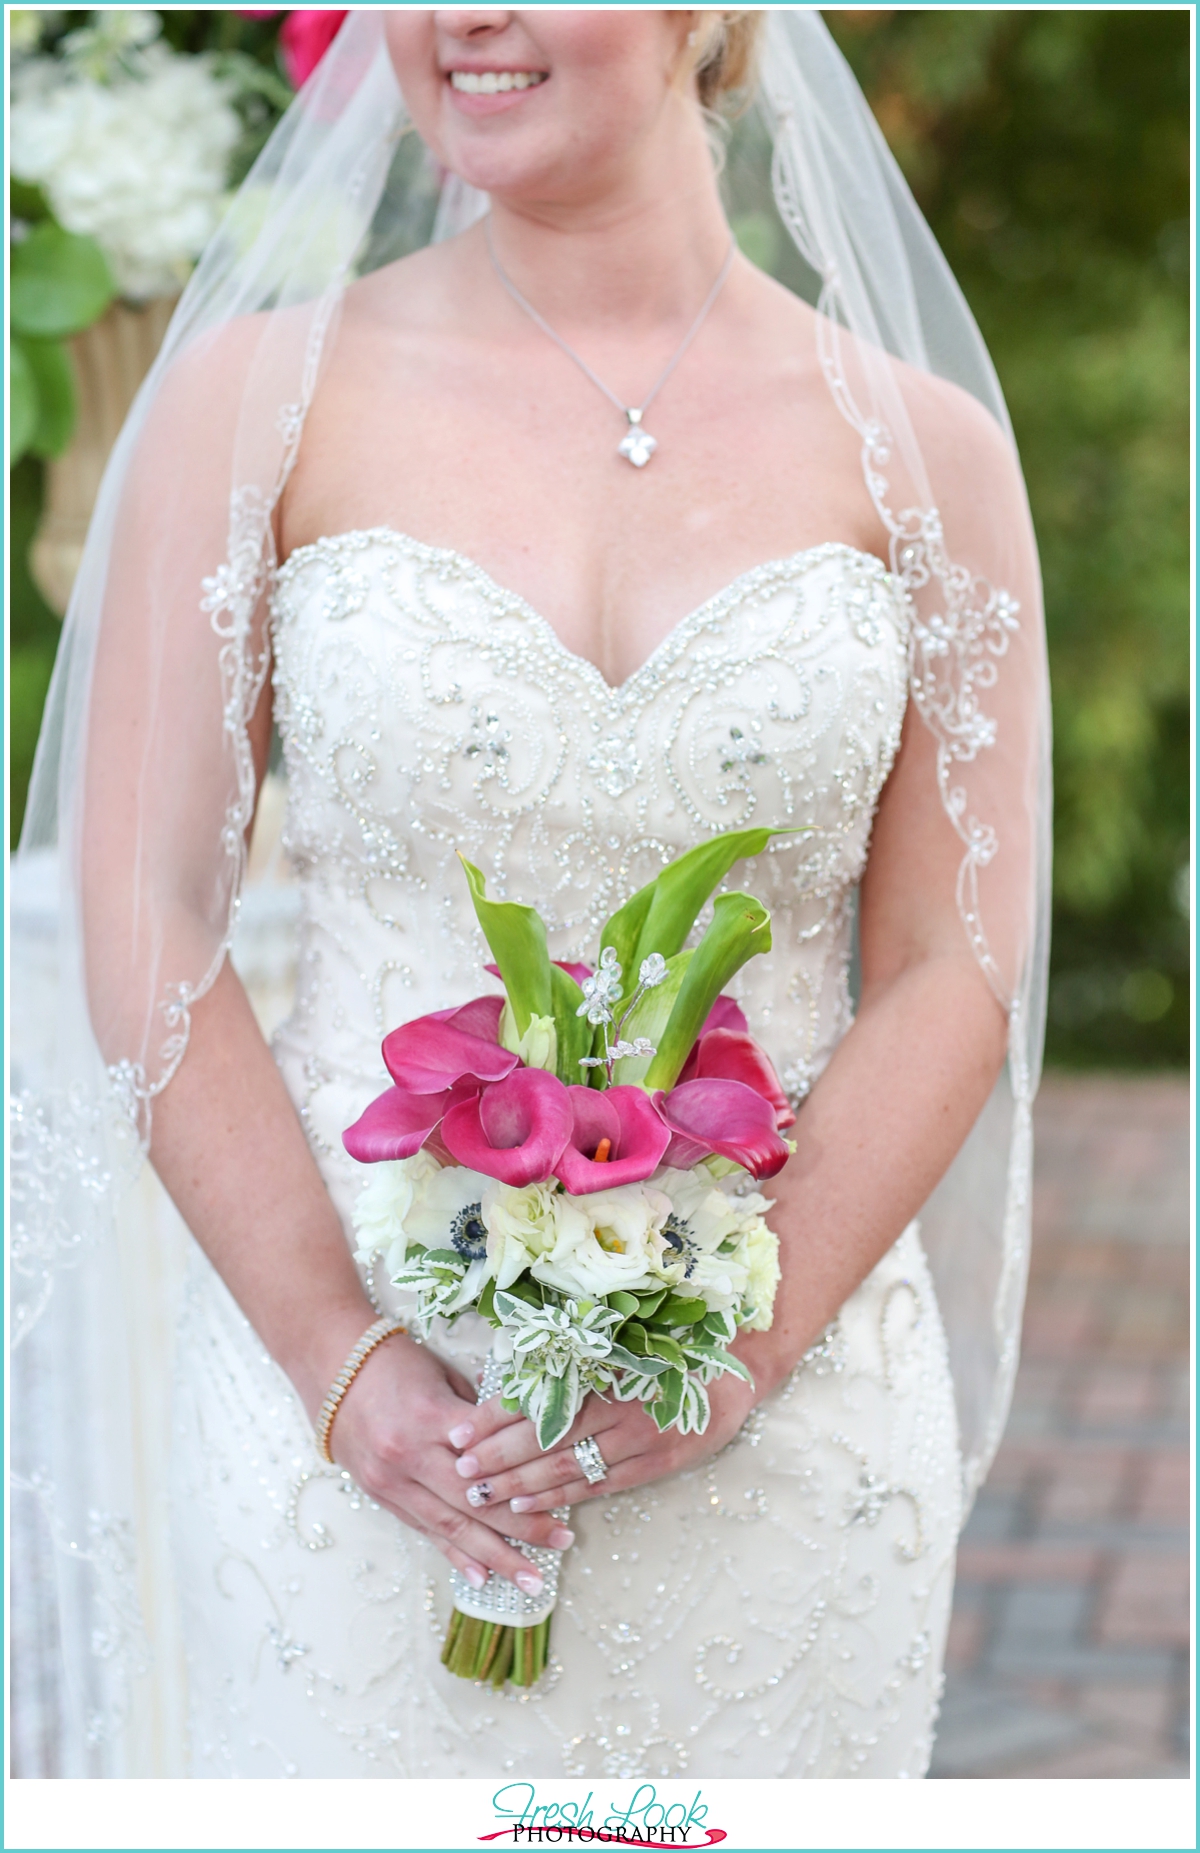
<point x="637" y="445"/>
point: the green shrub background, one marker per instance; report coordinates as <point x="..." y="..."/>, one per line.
<point x="1049" y="151"/>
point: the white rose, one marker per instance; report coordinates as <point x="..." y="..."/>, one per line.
<point x="606" y="1240"/>
<point x="520" y="1226"/>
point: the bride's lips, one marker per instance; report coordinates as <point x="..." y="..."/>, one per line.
<point x="473" y="102"/>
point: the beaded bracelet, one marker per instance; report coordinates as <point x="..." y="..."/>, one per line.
<point x="373" y="1336"/>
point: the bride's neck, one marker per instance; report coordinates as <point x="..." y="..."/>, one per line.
<point x="643" y="246"/>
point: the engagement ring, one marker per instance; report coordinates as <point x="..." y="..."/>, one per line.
<point x="591" y="1461"/>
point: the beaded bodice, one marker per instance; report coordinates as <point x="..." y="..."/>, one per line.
<point x="780" y="1608"/>
<point x="424" y="709"/>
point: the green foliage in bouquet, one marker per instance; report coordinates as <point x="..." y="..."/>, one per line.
<point x="654" y="922"/>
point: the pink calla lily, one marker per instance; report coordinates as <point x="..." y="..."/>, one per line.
<point x="634" y="1128"/>
<point x="725" y="1117"/>
<point x="399" y="1123"/>
<point x="514" y="1130"/>
<point x="433" y="1053"/>
<point x="732" y="1055"/>
<point x="726" y="1013"/>
<point x="481" y="1017"/>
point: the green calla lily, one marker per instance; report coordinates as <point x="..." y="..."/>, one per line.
<point x="517" y="938"/>
<point x="740" y="928"/>
<point x="659" y="917"/>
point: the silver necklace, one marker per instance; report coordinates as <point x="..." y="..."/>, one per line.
<point x="637" y="444"/>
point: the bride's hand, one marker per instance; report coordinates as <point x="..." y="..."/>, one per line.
<point x="392" y="1433"/>
<point x="507" y="1466"/>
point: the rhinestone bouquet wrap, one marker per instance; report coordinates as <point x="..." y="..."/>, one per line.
<point x="576" y="1161"/>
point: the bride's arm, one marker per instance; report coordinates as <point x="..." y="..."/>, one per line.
<point x="159" y="779"/>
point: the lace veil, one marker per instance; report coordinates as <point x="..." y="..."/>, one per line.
<point x="128" y="885"/>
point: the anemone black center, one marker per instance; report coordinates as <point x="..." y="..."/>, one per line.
<point x="677" y="1234"/>
<point x="468" y="1233"/>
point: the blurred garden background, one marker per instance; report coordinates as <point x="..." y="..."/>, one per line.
<point x="1049" y="150"/>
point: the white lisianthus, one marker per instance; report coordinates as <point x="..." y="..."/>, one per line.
<point x="759" y="1250"/>
<point x="384" y="1203"/>
<point x="131" y="143"/>
<point x="606" y="1240"/>
<point x="520" y="1227"/>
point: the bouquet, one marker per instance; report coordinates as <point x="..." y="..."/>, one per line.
<point x="575" y="1162"/>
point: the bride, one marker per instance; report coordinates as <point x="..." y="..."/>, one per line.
<point x="562" y="538"/>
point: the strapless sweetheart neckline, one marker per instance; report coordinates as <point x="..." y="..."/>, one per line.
<point x="463" y="563"/>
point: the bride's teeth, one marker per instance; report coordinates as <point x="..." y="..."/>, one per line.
<point x="490" y="83"/>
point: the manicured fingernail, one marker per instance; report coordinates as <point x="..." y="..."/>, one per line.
<point x="476" y="1578"/>
<point x="460" y="1436"/>
<point x="561" y="1539"/>
<point x="524" y="1502"/>
<point x="479" y="1495"/>
<point x="529" y="1581"/>
<point x="468" y="1466"/>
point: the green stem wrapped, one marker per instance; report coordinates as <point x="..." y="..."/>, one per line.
<point x="495" y="1651"/>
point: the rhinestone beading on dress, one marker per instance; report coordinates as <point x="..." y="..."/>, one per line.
<point x="781" y="1610"/>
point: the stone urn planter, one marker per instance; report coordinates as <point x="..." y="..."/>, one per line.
<point x="111" y="360"/>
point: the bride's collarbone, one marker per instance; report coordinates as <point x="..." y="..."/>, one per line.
<point x="611" y="556"/>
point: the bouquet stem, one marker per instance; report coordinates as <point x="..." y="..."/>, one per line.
<point x="495" y="1650"/>
<point x="483" y="1649"/>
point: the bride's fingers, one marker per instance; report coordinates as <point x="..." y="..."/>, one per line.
<point x="530" y="1528"/>
<point x="475" y="1542"/>
<point x="518" y="1443"/>
<point x="485" y="1419"/>
<point x="537" y="1476"/>
<point x="626" y="1473"/>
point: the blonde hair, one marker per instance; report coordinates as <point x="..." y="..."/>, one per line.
<point x="723" y="48"/>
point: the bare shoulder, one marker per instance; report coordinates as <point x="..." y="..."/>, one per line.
<point x="203" y="388"/>
<point x="952" y="426"/>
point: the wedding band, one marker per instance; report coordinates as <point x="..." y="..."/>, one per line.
<point x="591" y="1461"/>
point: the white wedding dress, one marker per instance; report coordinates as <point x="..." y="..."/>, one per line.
<point x="780" y="1611"/>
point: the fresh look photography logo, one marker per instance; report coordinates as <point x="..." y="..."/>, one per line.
<point x="643" y="1821"/>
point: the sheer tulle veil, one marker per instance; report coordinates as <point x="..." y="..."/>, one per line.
<point x="167" y="636"/>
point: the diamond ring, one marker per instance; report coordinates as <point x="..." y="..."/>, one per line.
<point x="591" y="1461"/>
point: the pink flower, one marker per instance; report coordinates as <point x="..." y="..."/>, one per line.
<point x="624" y="1119"/>
<point x="437" y="1062"/>
<point x="449" y="1048"/>
<point x="726" y="1013"/>
<point x="399" y="1123"/>
<point x="732" y="1055"/>
<point x="515" y="1130"/>
<point x="304" y="38"/>
<point x="724" y="1117"/>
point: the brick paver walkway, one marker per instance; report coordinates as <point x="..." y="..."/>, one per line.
<point x="1069" y="1640"/>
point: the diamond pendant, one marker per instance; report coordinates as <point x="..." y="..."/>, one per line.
<point x="637" y="444"/>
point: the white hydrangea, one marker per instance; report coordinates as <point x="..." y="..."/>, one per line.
<point x="131" y="143"/>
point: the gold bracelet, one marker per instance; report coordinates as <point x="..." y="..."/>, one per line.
<point x="373" y="1336"/>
